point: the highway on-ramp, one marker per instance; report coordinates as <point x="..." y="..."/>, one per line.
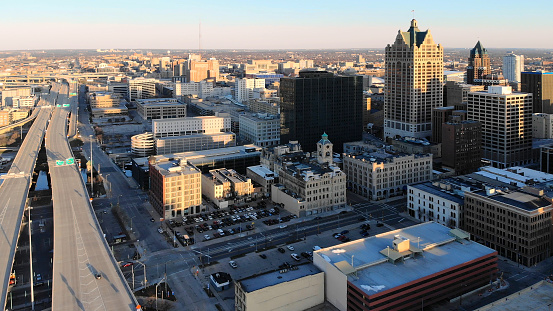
<point x="14" y="192"/>
<point x="85" y="274"/>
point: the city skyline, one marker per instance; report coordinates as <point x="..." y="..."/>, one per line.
<point x="247" y="25"/>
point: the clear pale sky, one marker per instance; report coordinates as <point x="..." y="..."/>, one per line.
<point x="277" y="24"/>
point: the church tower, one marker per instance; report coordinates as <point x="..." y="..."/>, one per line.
<point x="324" y="150"/>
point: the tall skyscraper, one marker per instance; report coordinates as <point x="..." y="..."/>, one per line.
<point x="479" y="64"/>
<point x="414" y="75"/>
<point x="540" y="84"/>
<point x="318" y="102"/>
<point x="506" y="119"/>
<point x="513" y="65"/>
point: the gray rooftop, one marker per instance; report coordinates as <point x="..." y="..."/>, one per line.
<point x="429" y="188"/>
<point x="272" y="278"/>
<point x="525" y="201"/>
<point x="441" y="251"/>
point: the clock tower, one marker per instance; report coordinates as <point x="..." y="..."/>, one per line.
<point x="324" y="150"/>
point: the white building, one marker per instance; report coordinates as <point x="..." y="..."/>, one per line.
<point x="506" y="118"/>
<point x="202" y="89"/>
<point x="9" y="94"/>
<point x="542" y="125"/>
<point x="23" y="101"/>
<point x="245" y="87"/>
<point x="141" y="88"/>
<point x="190" y="126"/>
<point x="260" y="129"/>
<point x="440" y="201"/>
<point x="263" y="176"/>
<point x="226" y="185"/>
<point x="513" y="65"/>
<point x="379" y="175"/>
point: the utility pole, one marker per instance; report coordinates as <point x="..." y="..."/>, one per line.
<point x="31" y="263"/>
<point x="91" y="172"/>
<point x="132" y="271"/>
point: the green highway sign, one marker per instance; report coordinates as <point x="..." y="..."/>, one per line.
<point x="58" y="105"/>
<point x="70" y="161"/>
<point x="66" y="105"/>
<point x="73" y="94"/>
<point x="60" y="162"/>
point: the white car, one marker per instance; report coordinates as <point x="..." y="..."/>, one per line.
<point x="283" y="226"/>
<point x="233" y="264"/>
<point x="207" y="237"/>
<point x="159" y="230"/>
<point x="295" y="256"/>
<point x="290" y="247"/>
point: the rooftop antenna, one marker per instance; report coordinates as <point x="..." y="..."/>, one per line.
<point x="200" y="39"/>
<point x="413" y="11"/>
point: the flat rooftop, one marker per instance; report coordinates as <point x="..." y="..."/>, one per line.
<point x="256" y="282"/>
<point x="536" y="297"/>
<point x="525" y="201"/>
<point x="430" y="188"/>
<point x="212" y="154"/>
<point x="441" y="251"/>
<point x="262" y="171"/>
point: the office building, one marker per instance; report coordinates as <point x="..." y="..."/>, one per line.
<point x="258" y="65"/>
<point x="25" y="102"/>
<point x="441" y="201"/>
<point x="379" y="175"/>
<point x="404" y="269"/>
<point x="540" y="84"/>
<point x="461" y="145"/>
<point x="546" y="159"/>
<point x="439" y="116"/>
<point x="514" y="223"/>
<point x="411" y="145"/>
<point x="104" y="100"/>
<point x="457" y="93"/>
<point x="245" y="87"/>
<point x="294" y="288"/>
<point x="479" y="64"/>
<point x="269" y="106"/>
<point x="160" y="108"/>
<point x="190" y="126"/>
<point x="141" y="88"/>
<point x="201" y="89"/>
<point x="5" y="117"/>
<point x="260" y="129"/>
<point x="311" y="187"/>
<point x="9" y="94"/>
<point x="269" y="78"/>
<point x="414" y="75"/>
<point x="506" y="118"/>
<point x="195" y="69"/>
<point x="542" y="125"/>
<point x="513" y="65"/>
<point x="317" y="102"/>
<point x="194" y="142"/>
<point x="175" y="187"/>
<point x="273" y="157"/>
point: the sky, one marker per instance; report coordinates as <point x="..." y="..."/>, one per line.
<point x="277" y="24"/>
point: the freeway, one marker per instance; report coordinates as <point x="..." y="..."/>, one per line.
<point x="85" y="274"/>
<point x="14" y="192"/>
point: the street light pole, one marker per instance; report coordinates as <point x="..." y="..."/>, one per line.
<point x="91" y="171"/>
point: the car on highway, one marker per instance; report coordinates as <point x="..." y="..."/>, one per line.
<point x="290" y="247"/>
<point x="233" y="264"/>
<point x="152" y="220"/>
<point x="207" y="237"/>
<point x="263" y="256"/>
<point x="295" y="256"/>
<point x="127" y="264"/>
<point x="280" y="249"/>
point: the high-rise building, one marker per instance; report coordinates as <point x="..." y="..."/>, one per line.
<point x="461" y="145"/>
<point x="317" y="102"/>
<point x="244" y="88"/>
<point x="540" y="84"/>
<point x="414" y="75"/>
<point x="195" y="69"/>
<point x="506" y="118"/>
<point x="456" y="93"/>
<point x="479" y="64"/>
<point x="513" y="65"/>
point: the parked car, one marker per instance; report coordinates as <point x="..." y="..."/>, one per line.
<point x="295" y="256"/>
<point x="344" y="232"/>
<point x="152" y="220"/>
<point x="263" y="256"/>
<point x="207" y="237"/>
<point x="283" y="226"/>
<point x="128" y="264"/>
<point x="290" y="247"/>
<point x="280" y="249"/>
<point x="233" y="264"/>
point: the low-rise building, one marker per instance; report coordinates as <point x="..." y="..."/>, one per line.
<point x="380" y="175"/>
<point x="104" y="99"/>
<point x="285" y="153"/>
<point x="197" y="142"/>
<point x="175" y="187"/>
<point x="224" y="185"/>
<point x="295" y="288"/>
<point x="260" y="129"/>
<point x="263" y="176"/>
<point x="160" y="108"/>
<point x="516" y="224"/>
<point x="190" y="126"/>
<point x="312" y="186"/>
<point x="404" y="269"/>
<point x="412" y="145"/>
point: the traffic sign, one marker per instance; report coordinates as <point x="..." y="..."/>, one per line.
<point x="60" y="162"/>
<point x="70" y="161"/>
<point x="66" y="105"/>
<point x="58" y="105"/>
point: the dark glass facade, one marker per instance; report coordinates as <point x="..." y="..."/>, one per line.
<point x="540" y="84"/>
<point x="317" y="102"/>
